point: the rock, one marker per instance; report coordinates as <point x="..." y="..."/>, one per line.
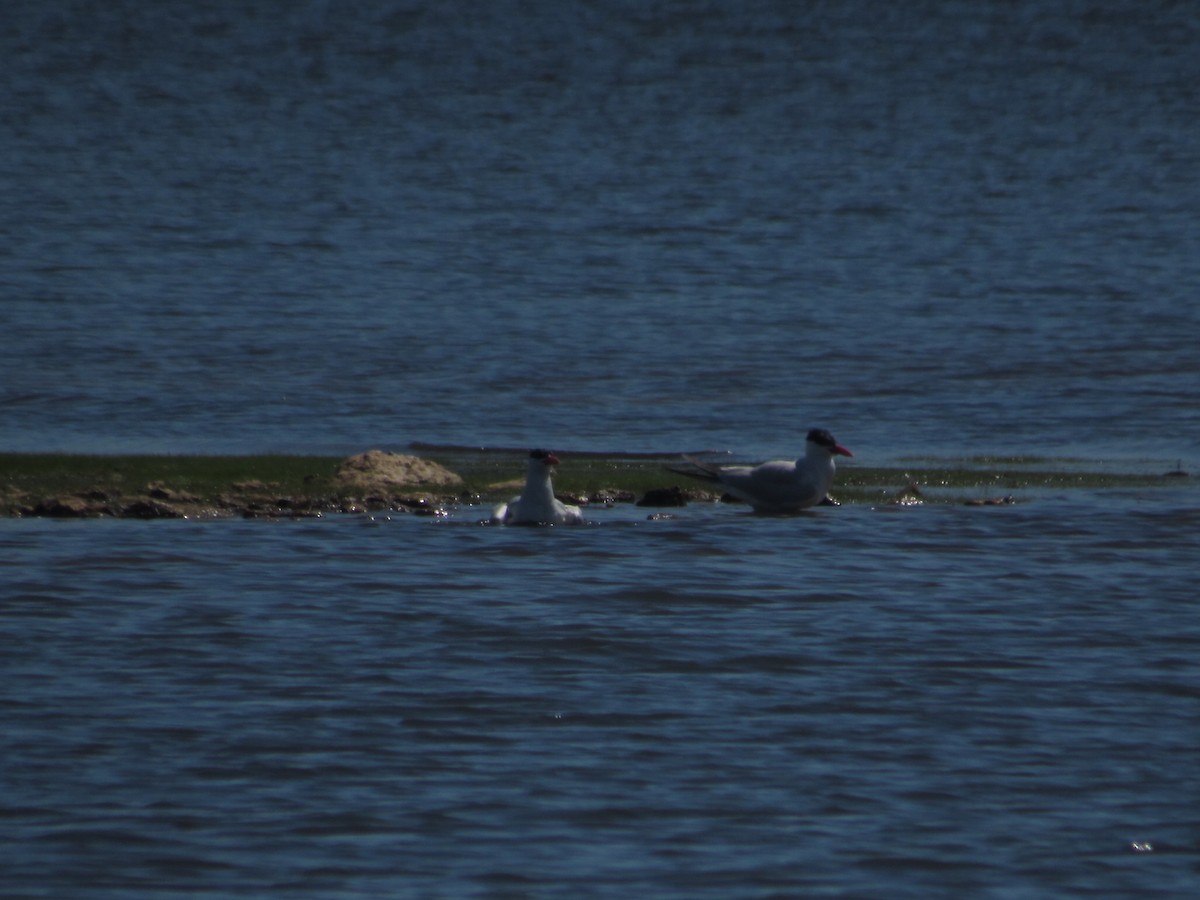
<point x="380" y="471"/>
<point x="65" y="508"/>
<point x="610" y="496"/>
<point x="159" y="491"/>
<point x="668" y="496"/>
<point x="992" y="501"/>
<point x="412" y="501"/>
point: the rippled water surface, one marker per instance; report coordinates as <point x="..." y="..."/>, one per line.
<point x="952" y="226"/>
<point x="937" y="701"/>
<point x="939" y="229"/>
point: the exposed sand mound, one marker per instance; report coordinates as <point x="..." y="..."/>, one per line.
<point x="380" y="470"/>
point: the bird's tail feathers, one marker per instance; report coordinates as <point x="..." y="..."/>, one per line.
<point x="697" y="469"/>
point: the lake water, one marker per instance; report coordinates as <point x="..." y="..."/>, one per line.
<point x="938" y="701"/>
<point x="941" y="230"/>
<point x="931" y="227"/>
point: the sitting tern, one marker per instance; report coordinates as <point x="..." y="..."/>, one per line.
<point x="537" y="504"/>
<point x="779" y="486"/>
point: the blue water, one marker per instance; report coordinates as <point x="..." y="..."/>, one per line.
<point x="932" y="227"/>
<point x="937" y="701"/>
<point x="940" y="230"/>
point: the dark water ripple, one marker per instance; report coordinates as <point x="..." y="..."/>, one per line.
<point x="943" y="701"/>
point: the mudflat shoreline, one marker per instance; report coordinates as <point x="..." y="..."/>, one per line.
<point x="285" y="486"/>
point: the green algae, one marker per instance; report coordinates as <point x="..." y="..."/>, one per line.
<point x="207" y="476"/>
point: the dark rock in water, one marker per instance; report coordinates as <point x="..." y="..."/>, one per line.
<point x="279" y="508"/>
<point x="417" y="503"/>
<point x="668" y="496"/>
<point x="992" y="501"/>
<point x="417" y="506"/>
<point x="150" y="509"/>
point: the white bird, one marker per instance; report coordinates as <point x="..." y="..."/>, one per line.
<point x="778" y="486"/>
<point x="537" y="504"/>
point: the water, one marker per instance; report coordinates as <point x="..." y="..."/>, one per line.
<point x="932" y="227"/>
<point x="937" y="229"/>
<point x="860" y="702"/>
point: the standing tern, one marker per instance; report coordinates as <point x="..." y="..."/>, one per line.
<point x="537" y="504"/>
<point x="778" y="486"/>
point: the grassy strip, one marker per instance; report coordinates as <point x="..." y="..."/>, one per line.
<point x="280" y="484"/>
<point x="50" y="474"/>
